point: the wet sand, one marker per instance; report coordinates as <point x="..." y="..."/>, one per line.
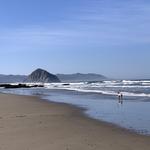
<point x="29" y="123"/>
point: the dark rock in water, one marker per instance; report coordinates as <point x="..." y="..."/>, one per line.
<point x="11" y="86"/>
<point x="43" y="76"/>
<point x="65" y="84"/>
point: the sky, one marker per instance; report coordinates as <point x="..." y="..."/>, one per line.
<point x="109" y="37"/>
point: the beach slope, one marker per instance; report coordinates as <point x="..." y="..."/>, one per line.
<point x="28" y="123"/>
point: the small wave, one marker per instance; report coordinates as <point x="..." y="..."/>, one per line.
<point x="135" y="81"/>
<point x="114" y="93"/>
<point x="121" y="86"/>
<point x="136" y="94"/>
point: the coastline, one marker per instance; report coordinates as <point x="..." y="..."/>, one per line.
<point x="28" y="122"/>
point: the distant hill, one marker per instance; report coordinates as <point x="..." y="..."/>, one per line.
<point x="12" y="78"/>
<point x="77" y="77"/>
<point x="41" y="75"/>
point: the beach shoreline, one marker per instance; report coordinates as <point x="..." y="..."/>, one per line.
<point x="29" y="122"/>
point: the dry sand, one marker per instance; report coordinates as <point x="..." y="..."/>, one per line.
<point x="28" y="123"/>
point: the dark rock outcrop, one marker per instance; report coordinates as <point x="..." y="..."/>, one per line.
<point x="11" y="86"/>
<point x="43" y="76"/>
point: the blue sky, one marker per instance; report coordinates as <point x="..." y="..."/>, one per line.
<point x="110" y="37"/>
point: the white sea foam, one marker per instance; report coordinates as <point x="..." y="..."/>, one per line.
<point x="83" y="87"/>
<point x="104" y="87"/>
<point x="135" y="81"/>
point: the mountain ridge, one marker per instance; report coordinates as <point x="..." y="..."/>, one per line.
<point x="12" y="78"/>
<point x="74" y="77"/>
<point x="77" y="77"/>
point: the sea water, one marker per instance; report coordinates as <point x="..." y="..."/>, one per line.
<point x="101" y="101"/>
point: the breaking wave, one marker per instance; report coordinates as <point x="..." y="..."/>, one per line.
<point x="135" y="88"/>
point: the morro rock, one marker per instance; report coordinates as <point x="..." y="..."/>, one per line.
<point x="43" y="76"/>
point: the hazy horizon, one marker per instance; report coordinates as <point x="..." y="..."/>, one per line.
<point x="111" y="38"/>
<point x="108" y="77"/>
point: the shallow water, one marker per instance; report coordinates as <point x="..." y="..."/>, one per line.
<point x="133" y="113"/>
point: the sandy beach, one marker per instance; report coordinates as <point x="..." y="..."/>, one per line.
<point x="29" y="123"/>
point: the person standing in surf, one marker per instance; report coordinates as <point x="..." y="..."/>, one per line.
<point x="120" y="97"/>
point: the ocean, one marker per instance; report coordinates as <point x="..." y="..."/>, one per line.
<point x="101" y="102"/>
